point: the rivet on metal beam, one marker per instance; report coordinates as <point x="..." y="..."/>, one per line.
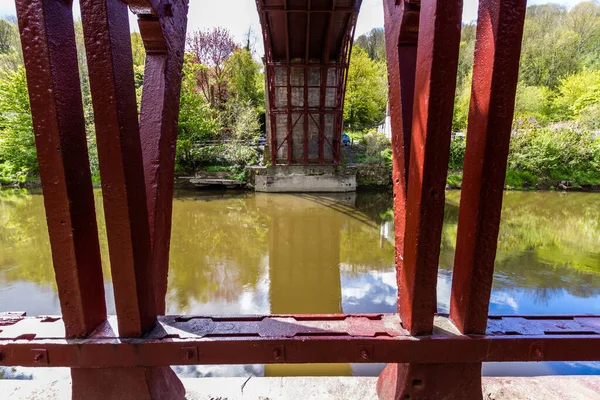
<point x="365" y="353"/>
<point x="536" y="352"/>
<point x="40" y="356"/>
<point x="279" y="353"/>
<point x="189" y="354"/>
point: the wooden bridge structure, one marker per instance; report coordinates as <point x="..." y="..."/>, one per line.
<point x="127" y="356"/>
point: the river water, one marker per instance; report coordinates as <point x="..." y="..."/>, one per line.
<point x="247" y="253"/>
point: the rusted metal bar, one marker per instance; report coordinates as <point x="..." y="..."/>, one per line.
<point x="324" y="77"/>
<point x="435" y="83"/>
<point x="50" y="55"/>
<point x="289" y="139"/>
<point x="270" y="78"/>
<point x="272" y="116"/>
<point x="181" y="340"/>
<point x="310" y="112"/>
<point x="401" y="29"/>
<point x="307" y="47"/>
<point x="434" y="86"/>
<point x="308" y="11"/>
<point x="108" y="48"/>
<point x="162" y="28"/>
<point x="495" y="73"/>
<point x="311" y="63"/>
<point x="342" y="95"/>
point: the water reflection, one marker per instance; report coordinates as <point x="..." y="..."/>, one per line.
<point x="246" y="253"/>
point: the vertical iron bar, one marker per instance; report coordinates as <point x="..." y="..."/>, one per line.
<point x="342" y="96"/>
<point x="495" y="72"/>
<point x="48" y="42"/>
<point x="401" y="26"/>
<point x="435" y="83"/>
<point x="290" y="152"/>
<point x="324" y="77"/>
<point x="138" y="281"/>
<point x="110" y="65"/>
<point x="422" y="179"/>
<point x="306" y="85"/>
<point x="164" y="40"/>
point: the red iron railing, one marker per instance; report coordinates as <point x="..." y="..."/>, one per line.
<point x="128" y="356"/>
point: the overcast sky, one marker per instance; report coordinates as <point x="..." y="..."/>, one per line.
<point x="239" y="15"/>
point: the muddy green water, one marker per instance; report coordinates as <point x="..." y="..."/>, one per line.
<point x="246" y="253"/>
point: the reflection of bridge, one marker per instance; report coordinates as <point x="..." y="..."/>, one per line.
<point x="128" y="357"/>
<point x="304" y="268"/>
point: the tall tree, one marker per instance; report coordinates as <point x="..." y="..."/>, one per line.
<point x="366" y="91"/>
<point x="6" y="36"/>
<point x="11" y="56"/>
<point x="17" y="146"/>
<point x="373" y="42"/>
<point x="212" y="48"/>
<point x="246" y="81"/>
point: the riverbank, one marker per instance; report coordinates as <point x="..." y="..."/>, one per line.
<point x="375" y="177"/>
<point x="525" y="182"/>
<point x="275" y="388"/>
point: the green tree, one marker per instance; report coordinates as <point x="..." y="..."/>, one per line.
<point x="10" y="47"/>
<point x="461" y="104"/>
<point x="247" y="124"/>
<point x="196" y="122"/>
<point x="549" y="46"/>
<point x="576" y="94"/>
<point x="366" y="91"/>
<point x="466" y="53"/>
<point x="17" y="146"/>
<point x="7" y="31"/>
<point x="373" y="42"/>
<point x="246" y="82"/>
<point x="532" y="102"/>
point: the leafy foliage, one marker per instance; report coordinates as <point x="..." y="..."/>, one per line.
<point x="373" y="42"/>
<point x="196" y="122"/>
<point x="554" y="153"/>
<point x="576" y="94"/>
<point x="366" y="91"/>
<point x="17" y="147"/>
<point x="245" y="79"/>
<point x="212" y="48"/>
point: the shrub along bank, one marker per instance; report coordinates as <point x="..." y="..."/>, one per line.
<point x="539" y="158"/>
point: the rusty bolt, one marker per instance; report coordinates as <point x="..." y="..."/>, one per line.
<point x="40" y="356"/>
<point x="364" y="353"/>
<point x="189" y="353"/>
<point x="279" y="353"/>
<point x="537" y="352"/>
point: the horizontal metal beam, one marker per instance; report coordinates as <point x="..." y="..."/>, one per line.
<point x="283" y="111"/>
<point x="301" y="63"/>
<point x="180" y="340"/>
<point x="340" y="10"/>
